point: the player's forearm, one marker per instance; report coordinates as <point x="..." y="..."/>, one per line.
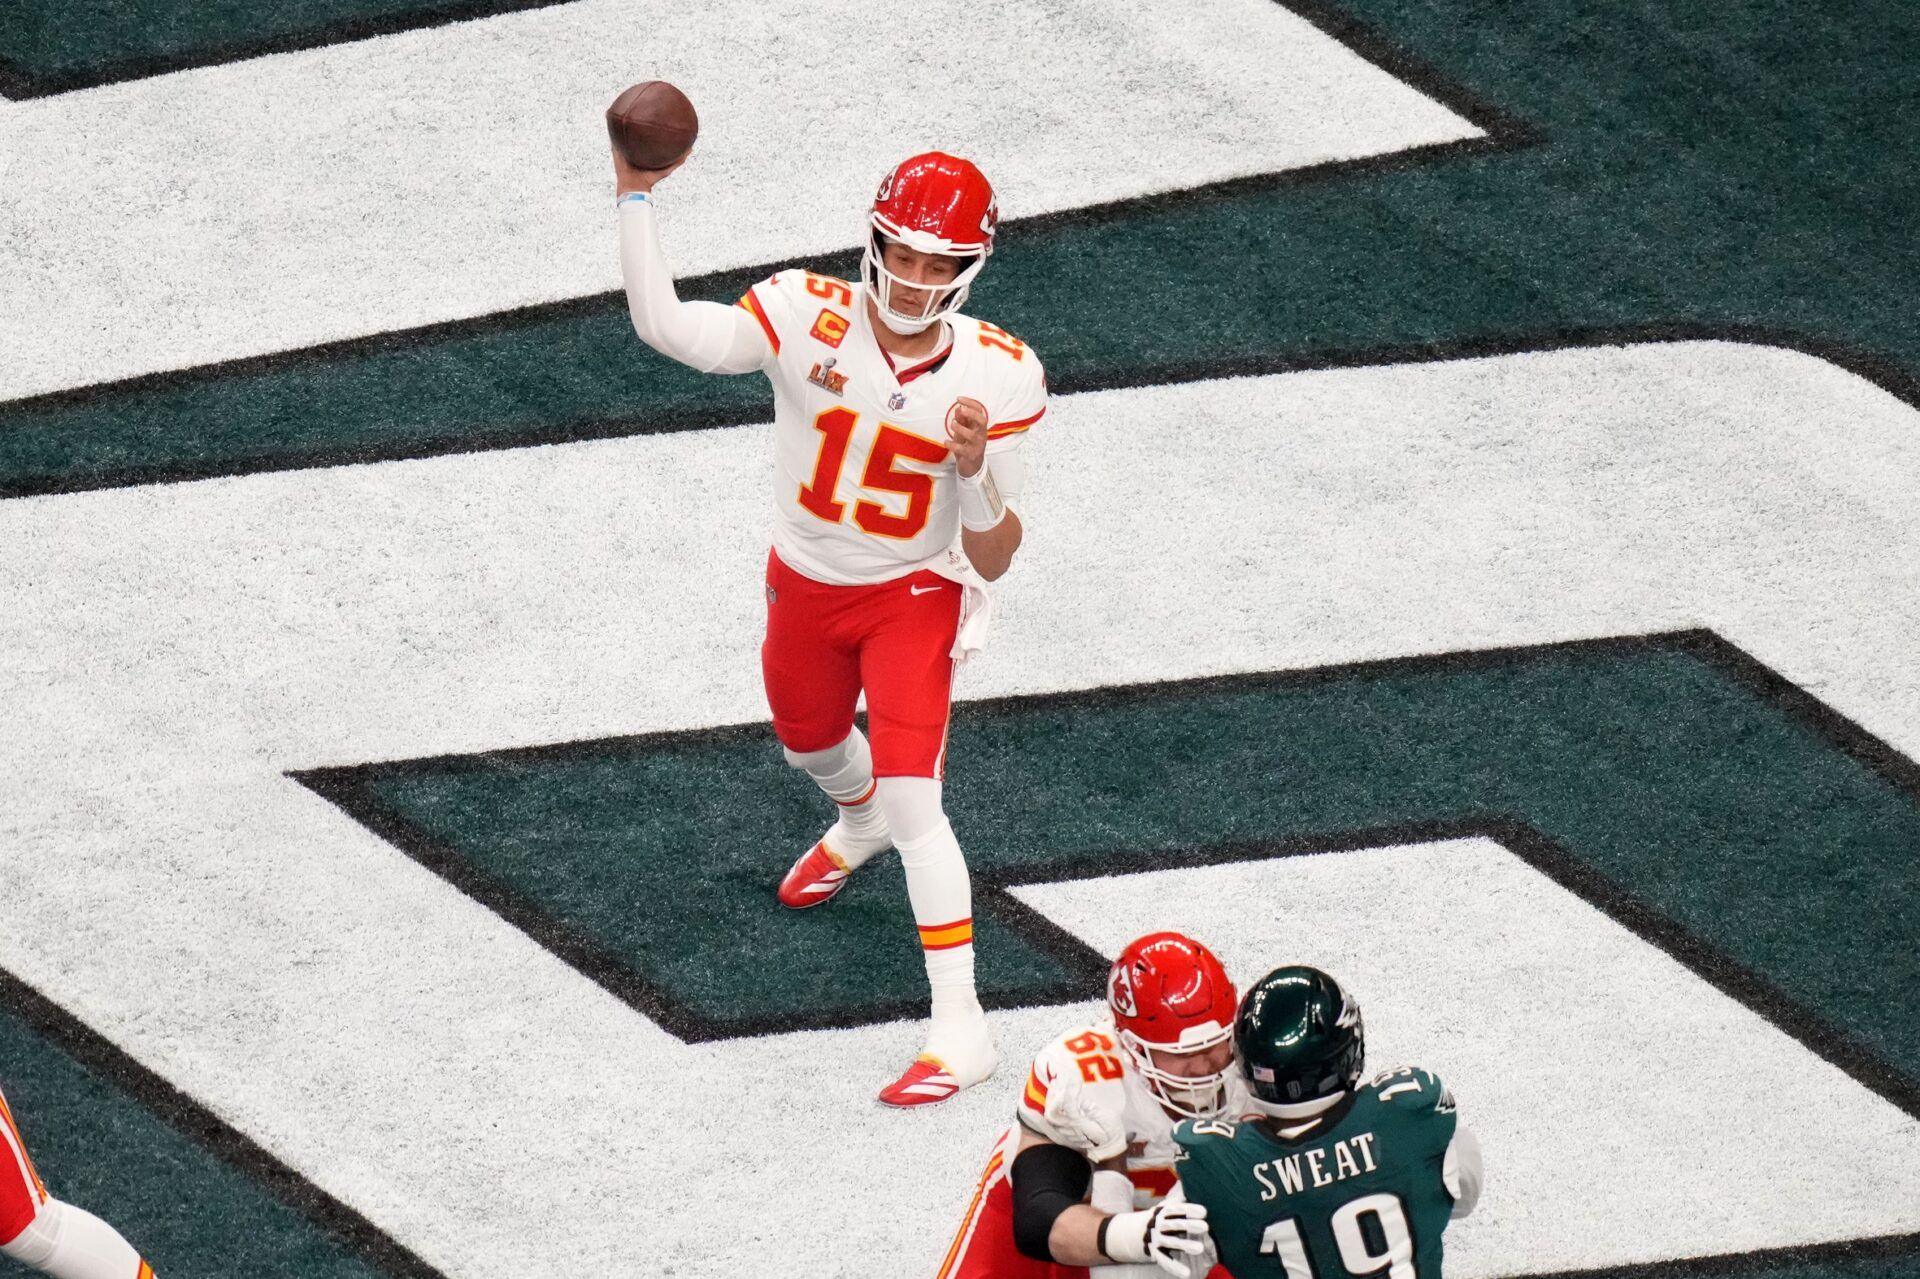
<point x="1075" y="1237"/>
<point x="990" y="551"/>
<point x="707" y="336"/>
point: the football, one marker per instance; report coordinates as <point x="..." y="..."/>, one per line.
<point x="652" y="125"/>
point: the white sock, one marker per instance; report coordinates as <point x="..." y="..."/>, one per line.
<point x="939" y="888"/>
<point x="71" y="1243"/>
<point x="845" y="773"/>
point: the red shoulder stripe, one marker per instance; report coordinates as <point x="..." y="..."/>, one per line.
<point x="752" y="304"/>
<point x="1000" y="429"/>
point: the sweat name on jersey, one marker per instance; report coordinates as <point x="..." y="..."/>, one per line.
<point x="865" y="488"/>
<point x="1317" y="1167"/>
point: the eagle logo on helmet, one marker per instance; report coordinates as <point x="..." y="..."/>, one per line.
<point x="1120" y="992"/>
<point x="1349" y="1012"/>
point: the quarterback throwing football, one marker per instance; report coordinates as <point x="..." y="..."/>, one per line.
<point x="897" y="432"/>
<point x="1080" y="1182"/>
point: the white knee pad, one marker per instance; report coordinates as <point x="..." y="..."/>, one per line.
<point x="826" y="762"/>
<point x="71" y="1243"/>
<point x="914" y="814"/>
<point x="35" y="1244"/>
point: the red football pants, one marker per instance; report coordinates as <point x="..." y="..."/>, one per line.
<point x="21" y="1193"/>
<point x="826" y="643"/>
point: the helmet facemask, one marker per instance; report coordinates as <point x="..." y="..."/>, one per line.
<point x="882" y="284"/>
<point x="1190" y="1096"/>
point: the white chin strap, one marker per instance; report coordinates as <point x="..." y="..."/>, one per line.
<point x="942" y="298"/>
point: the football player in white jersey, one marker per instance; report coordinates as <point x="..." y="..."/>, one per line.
<point x="898" y="424"/>
<point x="1078" y="1183"/>
<point x="49" y="1234"/>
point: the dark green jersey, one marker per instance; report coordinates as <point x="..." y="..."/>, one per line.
<point x="1360" y="1193"/>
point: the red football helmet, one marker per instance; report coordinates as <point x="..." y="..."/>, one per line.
<point x="1169" y="993"/>
<point x="935" y="203"/>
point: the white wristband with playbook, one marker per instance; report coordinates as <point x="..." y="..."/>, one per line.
<point x="980" y="504"/>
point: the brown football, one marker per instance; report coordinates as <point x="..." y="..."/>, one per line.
<point x="652" y="125"/>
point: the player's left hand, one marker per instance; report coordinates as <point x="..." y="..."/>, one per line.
<point x="967" y="429"/>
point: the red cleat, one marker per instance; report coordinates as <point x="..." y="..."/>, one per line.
<point x="959" y="1054"/>
<point x="926" y="1083"/>
<point x="817" y="876"/>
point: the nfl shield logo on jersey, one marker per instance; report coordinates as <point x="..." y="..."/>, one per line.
<point x="896" y="401"/>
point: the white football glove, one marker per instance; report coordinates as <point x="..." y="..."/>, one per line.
<point x="1169" y="1235"/>
<point x="1083" y="1126"/>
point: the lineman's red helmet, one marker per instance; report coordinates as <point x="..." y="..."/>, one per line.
<point x="1168" y="992"/>
<point x="935" y="203"/>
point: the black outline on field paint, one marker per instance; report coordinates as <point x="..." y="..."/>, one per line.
<point x="352" y="788"/>
<point x="203" y="1128"/>
<point x="18" y="83"/>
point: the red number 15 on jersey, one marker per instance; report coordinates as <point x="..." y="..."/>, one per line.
<point x="882" y="475"/>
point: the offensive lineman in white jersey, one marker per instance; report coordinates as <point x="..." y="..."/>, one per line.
<point x="897" y="430"/>
<point x="1079" y="1181"/>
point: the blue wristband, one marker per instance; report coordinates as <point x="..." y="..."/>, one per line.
<point x="641" y="196"/>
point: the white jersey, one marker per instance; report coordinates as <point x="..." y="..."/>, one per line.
<point x="864" y="489"/>
<point x="1089" y="1058"/>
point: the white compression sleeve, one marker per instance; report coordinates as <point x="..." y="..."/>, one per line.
<point x="1111" y="1192"/>
<point x="709" y="336"/>
<point x="1460" y="1172"/>
<point x="71" y="1243"/>
<point x="1009" y="463"/>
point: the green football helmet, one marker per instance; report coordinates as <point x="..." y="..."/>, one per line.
<point x="1298" y="1038"/>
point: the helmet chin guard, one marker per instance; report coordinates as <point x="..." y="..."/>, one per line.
<point x="931" y="203"/>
